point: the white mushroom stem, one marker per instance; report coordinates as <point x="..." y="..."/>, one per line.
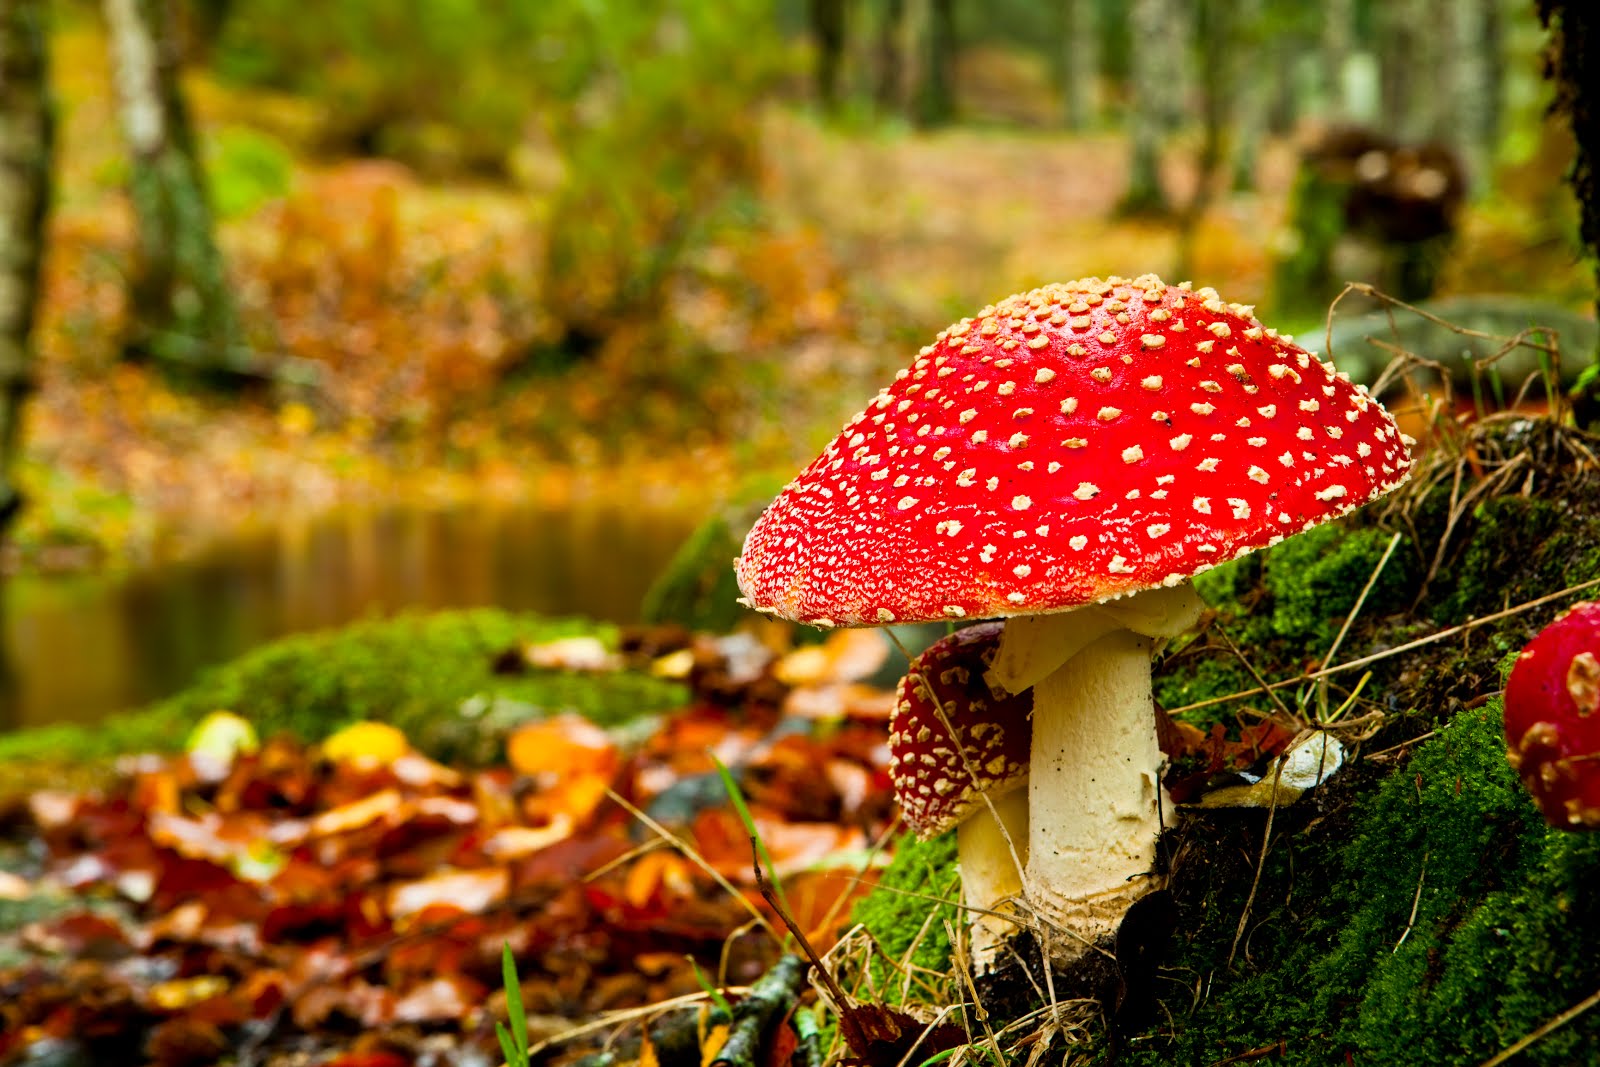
<point x="991" y="872"/>
<point x="1094" y="780"/>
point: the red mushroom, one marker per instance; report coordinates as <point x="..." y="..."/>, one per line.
<point x="942" y="781"/>
<point x="1071" y="446"/>
<point x="1552" y="726"/>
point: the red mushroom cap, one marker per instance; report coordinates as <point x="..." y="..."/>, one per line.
<point x="930" y="779"/>
<point x="1075" y="443"/>
<point x="1553" y="718"/>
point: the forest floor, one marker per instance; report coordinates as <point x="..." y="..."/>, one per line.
<point x="409" y="299"/>
<point x="332" y="874"/>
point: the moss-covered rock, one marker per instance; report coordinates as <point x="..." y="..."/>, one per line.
<point x="433" y="676"/>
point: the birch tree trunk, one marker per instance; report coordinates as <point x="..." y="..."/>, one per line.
<point x="1079" y="56"/>
<point x="26" y="142"/>
<point x="180" y="310"/>
<point x="1155" y="64"/>
<point x="1337" y="30"/>
<point x="1472" y="66"/>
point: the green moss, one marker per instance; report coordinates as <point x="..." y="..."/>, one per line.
<point x="1494" y="950"/>
<point x="897" y="912"/>
<point x="1520" y="548"/>
<point x="430" y="675"/>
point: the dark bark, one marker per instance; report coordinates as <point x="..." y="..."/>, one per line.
<point x="891" y="68"/>
<point x="827" y="27"/>
<point x="936" y="100"/>
<point x="1573" y="64"/>
<point x="180" y="310"/>
<point x="773" y="996"/>
<point x="26" y="143"/>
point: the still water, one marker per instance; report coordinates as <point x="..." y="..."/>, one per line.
<point x="80" y="647"/>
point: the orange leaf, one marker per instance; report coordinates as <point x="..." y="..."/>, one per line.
<point x="561" y="745"/>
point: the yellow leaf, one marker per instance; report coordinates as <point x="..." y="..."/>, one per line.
<point x="712" y="1044"/>
<point x="366" y="743"/>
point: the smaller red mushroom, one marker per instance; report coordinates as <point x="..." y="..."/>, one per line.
<point x="941" y="782"/>
<point x="1553" y="718"/>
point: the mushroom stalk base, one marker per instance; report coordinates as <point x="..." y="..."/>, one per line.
<point x="991" y="875"/>
<point x="1093" y="790"/>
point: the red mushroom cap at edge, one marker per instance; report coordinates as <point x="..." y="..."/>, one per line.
<point x="930" y="778"/>
<point x="1553" y="718"/>
<point x="1075" y="443"/>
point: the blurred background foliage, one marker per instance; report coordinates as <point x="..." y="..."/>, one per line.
<point x="647" y="248"/>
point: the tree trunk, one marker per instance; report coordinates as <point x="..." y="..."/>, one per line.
<point x="1242" y="47"/>
<point x="1573" y="64"/>
<point x="1080" y="65"/>
<point x="26" y="142"/>
<point x="888" y="93"/>
<point x="1472" y="65"/>
<point x="1415" y="104"/>
<point x="936" y="100"/>
<point x="1153" y="65"/>
<point x="180" y="311"/>
<point x="827" y="27"/>
<point x="1338" y="25"/>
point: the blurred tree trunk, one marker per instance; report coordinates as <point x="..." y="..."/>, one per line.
<point x="891" y="68"/>
<point x="180" y="311"/>
<point x="1572" y="62"/>
<point x="1469" y="121"/>
<point x="827" y="28"/>
<point x="1412" y="59"/>
<point x="1079" y="56"/>
<point x="26" y="143"/>
<point x="936" y="99"/>
<point x="1154" y="66"/>
<point x="1338" y="26"/>
<point x="1241" y="48"/>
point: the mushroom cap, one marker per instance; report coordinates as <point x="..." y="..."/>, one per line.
<point x="930" y="779"/>
<point x="1553" y="718"/>
<point x="1075" y="443"/>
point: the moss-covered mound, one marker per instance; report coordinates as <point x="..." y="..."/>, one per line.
<point x="1415" y="908"/>
<point x="433" y="676"/>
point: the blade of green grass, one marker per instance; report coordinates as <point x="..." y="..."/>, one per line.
<point x="514" y="1009"/>
<point x="736" y="796"/>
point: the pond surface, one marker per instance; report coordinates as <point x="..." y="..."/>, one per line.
<point x="82" y="646"/>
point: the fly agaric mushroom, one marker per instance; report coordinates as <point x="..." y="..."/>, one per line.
<point x="1068" y="448"/>
<point x="953" y="742"/>
<point x="1553" y="718"/>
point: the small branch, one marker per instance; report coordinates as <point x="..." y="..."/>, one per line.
<point x="1311" y="676"/>
<point x="1360" y="600"/>
<point x="1548" y="1028"/>
<point x="1416" y="902"/>
<point x="769" y="999"/>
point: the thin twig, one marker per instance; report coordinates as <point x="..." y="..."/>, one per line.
<point x="1261" y="862"/>
<point x="698" y="860"/>
<point x="1416" y="902"/>
<point x="1360" y="600"/>
<point x="1550" y="1027"/>
<point x="1311" y="676"/>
